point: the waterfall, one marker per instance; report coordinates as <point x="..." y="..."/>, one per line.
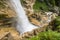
<point x="23" y="24"/>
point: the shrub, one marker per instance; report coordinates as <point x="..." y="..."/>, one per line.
<point x="48" y="35"/>
<point x="40" y="6"/>
<point x="57" y="21"/>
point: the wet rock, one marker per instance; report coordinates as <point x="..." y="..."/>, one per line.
<point x="28" y="6"/>
<point x="6" y="36"/>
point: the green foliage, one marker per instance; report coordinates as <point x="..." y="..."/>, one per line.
<point x="46" y="5"/>
<point x="48" y="35"/>
<point x="52" y="3"/>
<point x="41" y="5"/>
<point x="57" y="21"/>
<point x="58" y="27"/>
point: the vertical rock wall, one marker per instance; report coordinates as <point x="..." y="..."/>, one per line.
<point x="28" y="5"/>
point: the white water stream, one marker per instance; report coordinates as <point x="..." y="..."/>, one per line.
<point x="23" y="24"/>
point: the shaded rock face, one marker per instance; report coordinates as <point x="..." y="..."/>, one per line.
<point x="58" y="3"/>
<point x="41" y="0"/>
<point x="28" y="5"/>
<point x="48" y="3"/>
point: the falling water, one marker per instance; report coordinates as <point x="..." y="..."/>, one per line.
<point x="23" y="24"/>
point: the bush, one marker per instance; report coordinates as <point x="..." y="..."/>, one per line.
<point x="57" y="21"/>
<point x="48" y="35"/>
<point x="40" y="6"/>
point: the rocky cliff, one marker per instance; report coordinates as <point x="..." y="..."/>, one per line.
<point x="37" y="18"/>
<point x="28" y="5"/>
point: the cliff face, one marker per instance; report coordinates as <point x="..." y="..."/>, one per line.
<point x="38" y="5"/>
<point x="49" y="5"/>
<point x="28" y="5"/>
<point x="37" y="18"/>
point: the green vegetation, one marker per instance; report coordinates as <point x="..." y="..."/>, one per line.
<point x="46" y="5"/>
<point x="53" y="2"/>
<point x="48" y="35"/>
<point x="57" y="23"/>
<point x="40" y="5"/>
